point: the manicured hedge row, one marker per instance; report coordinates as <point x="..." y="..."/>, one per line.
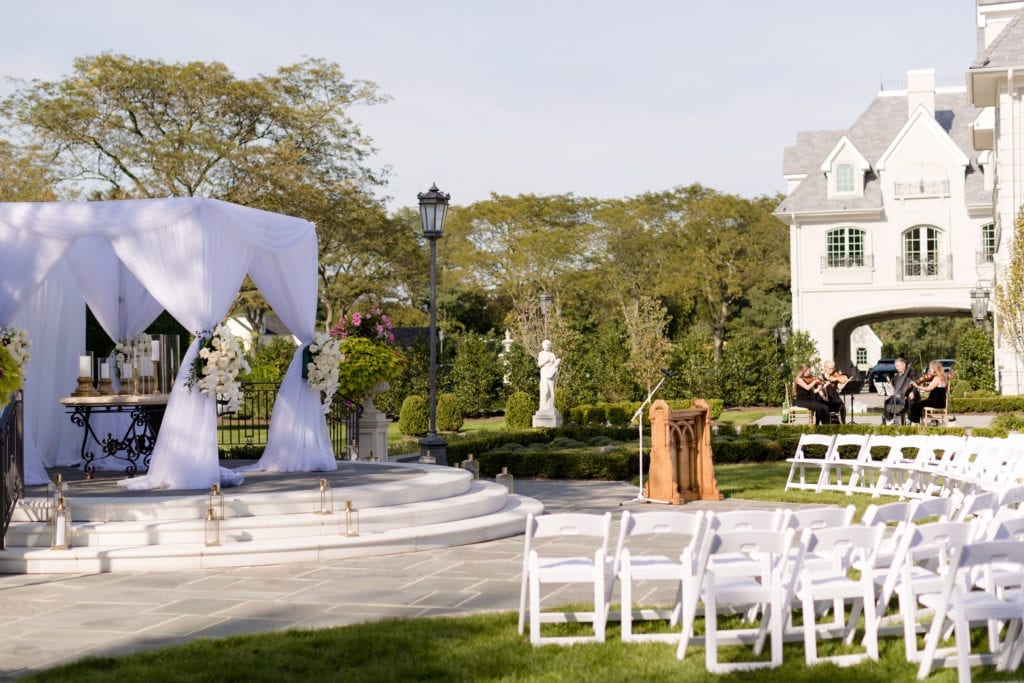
<point x="482" y="442"/>
<point x="986" y="404"/>
<point x="563" y="464"/>
<point x="619" y="414"/>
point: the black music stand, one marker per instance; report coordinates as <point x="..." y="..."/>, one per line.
<point x="849" y="389"/>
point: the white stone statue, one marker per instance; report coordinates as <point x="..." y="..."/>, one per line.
<point x="548" y="364"/>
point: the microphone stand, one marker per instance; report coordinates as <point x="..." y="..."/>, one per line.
<point x="638" y="415"/>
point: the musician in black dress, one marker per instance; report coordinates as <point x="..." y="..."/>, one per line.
<point x="810" y="394"/>
<point x="936" y="384"/>
<point x="834" y="383"/>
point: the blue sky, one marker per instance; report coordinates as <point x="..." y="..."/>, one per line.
<point x="597" y="98"/>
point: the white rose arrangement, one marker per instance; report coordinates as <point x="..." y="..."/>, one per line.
<point x="132" y="348"/>
<point x="17" y="343"/>
<point x="321" y="367"/>
<point x="217" y="366"/>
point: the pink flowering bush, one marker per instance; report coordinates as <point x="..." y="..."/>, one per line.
<point x="367" y="356"/>
<point x="374" y="325"/>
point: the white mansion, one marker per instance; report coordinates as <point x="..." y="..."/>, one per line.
<point x="909" y="212"/>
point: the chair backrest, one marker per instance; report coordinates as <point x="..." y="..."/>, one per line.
<point x="741" y="520"/>
<point x="889" y="447"/>
<point x="689" y="525"/>
<point x="821" y="517"/>
<point x="822" y="440"/>
<point x="1006" y="528"/>
<point x="948" y="444"/>
<point x="983" y="505"/>
<point x="568" y="525"/>
<point x="936" y="506"/>
<point x="843" y="440"/>
<point x="844" y="544"/>
<point x="890" y="513"/>
<point x="1011" y="499"/>
<point x="771" y="546"/>
<point x="936" y="542"/>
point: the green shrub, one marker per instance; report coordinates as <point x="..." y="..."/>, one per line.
<point x="1008" y="421"/>
<point x="414" y="417"/>
<point x="449" y="413"/>
<point x="519" y="410"/>
<point x="595" y="414"/>
<point x="618" y="414"/>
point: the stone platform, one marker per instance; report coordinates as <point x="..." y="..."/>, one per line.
<point x="272" y="518"/>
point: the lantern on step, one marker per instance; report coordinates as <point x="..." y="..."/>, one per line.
<point x="505" y="479"/>
<point x="212" y="528"/>
<point x="324" y="498"/>
<point x="351" y="519"/>
<point x="60" y="532"/>
<point x="216" y="502"/>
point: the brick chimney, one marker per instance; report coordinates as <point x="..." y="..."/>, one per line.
<point x="921" y="90"/>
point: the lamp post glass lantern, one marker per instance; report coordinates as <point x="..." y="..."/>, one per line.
<point x="545" y="305"/>
<point x="979" y="306"/>
<point x="433" y="210"/>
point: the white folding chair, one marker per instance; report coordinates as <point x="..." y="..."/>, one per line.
<point x="981" y="505"/>
<point x="872" y="463"/>
<point x="841" y="460"/>
<point x="811" y="454"/>
<point x="961" y="605"/>
<point x="919" y="567"/>
<point x="683" y="530"/>
<point x="770" y="581"/>
<point x="744" y="520"/>
<point x="894" y="472"/>
<point x="585" y="538"/>
<point x="925" y="476"/>
<point x="847" y="547"/>
<point x="894" y="517"/>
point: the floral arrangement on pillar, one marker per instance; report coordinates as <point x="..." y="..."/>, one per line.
<point x="216" y="367"/>
<point x="14" y="355"/>
<point x="367" y="352"/>
<point x="321" y="363"/>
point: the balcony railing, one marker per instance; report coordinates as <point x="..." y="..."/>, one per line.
<point x="244" y="434"/>
<point x="12" y="467"/>
<point x="939" y="268"/>
<point x="832" y="262"/>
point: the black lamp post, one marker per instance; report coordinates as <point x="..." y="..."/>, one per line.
<point x="433" y="208"/>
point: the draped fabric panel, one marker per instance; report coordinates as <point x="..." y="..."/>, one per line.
<point x="55" y="320"/>
<point x="298" y="440"/>
<point x="194" y="272"/>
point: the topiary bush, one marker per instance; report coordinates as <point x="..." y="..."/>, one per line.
<point x="519" y="411"/>
<point x="449" y="413"/>
<point x="414" y="417"/>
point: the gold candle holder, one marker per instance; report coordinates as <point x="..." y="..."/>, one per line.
<point x="324" y="498"/>
<point x="216" y="502"/>
<point x="211" y="528"/>
<point x="351" y="519"/>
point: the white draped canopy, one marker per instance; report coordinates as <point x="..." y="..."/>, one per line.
<point x="131" y="259"/>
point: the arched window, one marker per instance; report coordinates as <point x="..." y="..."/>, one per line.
<point x="844" y="178"/>
<point x="922" y="258"/>
<point x="844" y="248"/>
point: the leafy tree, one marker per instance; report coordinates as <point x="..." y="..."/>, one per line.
<point x="922" y="339"/>
<point x="476" y="375"/>
<point x="645" y="322"/>
<point x="449" y="413"/>
<point x="25" y="175"/>
<point x="975" y="361"/>
<point x="519" y="410"/>
<point x="520" y="371"/>
<point x="1009" y="292"/>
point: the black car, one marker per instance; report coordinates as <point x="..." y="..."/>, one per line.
<point x="881" y="372"/>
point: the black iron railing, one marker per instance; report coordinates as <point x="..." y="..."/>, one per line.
<point x="12" y="451"/>
<point x="244" y="434"/>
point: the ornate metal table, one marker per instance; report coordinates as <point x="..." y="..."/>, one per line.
<point x="135" y="444"/>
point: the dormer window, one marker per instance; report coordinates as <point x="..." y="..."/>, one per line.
<point x="844" y="178"/>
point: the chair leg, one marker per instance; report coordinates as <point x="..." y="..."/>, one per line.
<point x="810" y="632"/>
<point x="534" y="609"/>
<point x="600" y="614"/>
<point x="627" y="607"/>
<point x="524" y="587"/>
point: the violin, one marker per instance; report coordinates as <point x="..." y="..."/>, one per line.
<point x="924" y="379"/>
<point x="837" y="378"/>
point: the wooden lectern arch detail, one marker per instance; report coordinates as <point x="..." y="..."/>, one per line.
<point x="681" y="468"/>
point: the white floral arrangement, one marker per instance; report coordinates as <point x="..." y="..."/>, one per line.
<point x="132" y="348"/>
<point x="217" y="366"/>
<point x="321" y="368"/>
<point x="17" y="343"/>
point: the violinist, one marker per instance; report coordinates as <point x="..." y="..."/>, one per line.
<point x="834" y="383"/>
<point x="936" y="384"/>
<point x="903" y="392"/>
<point x="807" y="393"/>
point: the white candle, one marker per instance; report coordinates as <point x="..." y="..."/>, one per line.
<point x="155" y="355"/>
<point x="85" y="366"/>
<point x="147" y="367"/>
<point x="126" y="371"/>
<point x="105" y="370"/>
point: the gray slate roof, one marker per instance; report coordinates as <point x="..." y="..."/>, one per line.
<point x="871" y="134"/>
<point x="1007" y="49"/>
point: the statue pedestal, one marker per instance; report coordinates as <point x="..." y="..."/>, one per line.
<point x="547" y="418"/>
<point x="373" y="427"/>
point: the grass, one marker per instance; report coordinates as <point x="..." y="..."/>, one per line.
<point x="483" y="424"/>
<point x="476" y="648"/>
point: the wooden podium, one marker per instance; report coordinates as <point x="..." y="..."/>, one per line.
<point x="681" y="468"/>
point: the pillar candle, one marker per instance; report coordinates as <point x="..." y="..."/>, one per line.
<point x="126" y="371"/>
<point x="155" y="355"/>
<point x="105" y="370"/>
<point x="85" y="366"/>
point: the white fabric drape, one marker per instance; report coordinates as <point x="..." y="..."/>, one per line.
<point x="191" y="255"/>
<point x="55" y="320"/>
<point x="297" y="440"/>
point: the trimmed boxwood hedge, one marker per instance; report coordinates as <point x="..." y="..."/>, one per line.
<point x="986" y="404"/>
